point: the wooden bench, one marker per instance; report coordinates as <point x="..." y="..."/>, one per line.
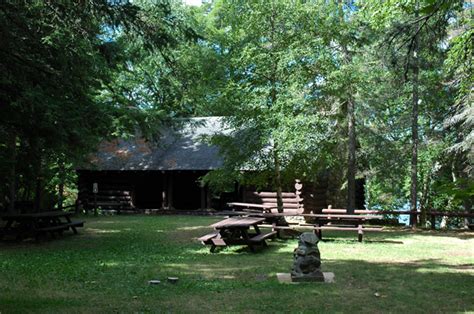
<point x="205" y="239"/>
<point x="27" y="225"/>
<point x="260" y="238"/>
<point x="53" y="228"/>
<point x="360" y="230"/>
<point x="344" y="211"/>
<point x="61" y="227"/>
<point x="340" y="220"/>
<point x="212" y="239"/>
<point x="74" y="224"/>
<point x="264" y="204"/>
<point x="317" y="229"/>
<point x="249" y="207"/>
<point x="218" y="242"/>
<point x="235" y="231"/>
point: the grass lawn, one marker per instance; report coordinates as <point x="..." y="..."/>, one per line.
<point x="107" y="267"/>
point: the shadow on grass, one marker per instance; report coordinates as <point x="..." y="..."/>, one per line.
<point x="425" y="285"/>
<point x="271" y="248"/>
<point x="121" y="257"/>
<point x="30" y="242"/>
<point x="346" y="240"/>
<point x="402" y="232"/>
<point x="436" y="263"/>
<point x="392" y="235"/>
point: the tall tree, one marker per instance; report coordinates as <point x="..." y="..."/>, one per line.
<point x="414" y="120"/>
<point x="272" y="97"/>
<point x="56" y="63"/>
<point x="415" y="47"/>
<point x="347" y="40"/>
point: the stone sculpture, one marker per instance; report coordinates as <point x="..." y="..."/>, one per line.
<point x="307" y="259"/>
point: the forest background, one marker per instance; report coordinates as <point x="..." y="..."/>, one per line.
<point x="374" y="89"/>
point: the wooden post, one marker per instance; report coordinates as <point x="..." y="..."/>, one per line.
<point x="298" y="187"/>
<point x="329" y="214"/>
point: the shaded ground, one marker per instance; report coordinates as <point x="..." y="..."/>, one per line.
<point x="106" y="269"/>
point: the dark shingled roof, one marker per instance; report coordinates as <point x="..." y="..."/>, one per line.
<point x="180" y="149"/>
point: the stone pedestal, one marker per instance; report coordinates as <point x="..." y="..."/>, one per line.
<point x="327" y="277"/>
<point x="316" y="276"/>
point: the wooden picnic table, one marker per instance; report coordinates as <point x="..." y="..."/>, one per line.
<point x="35" y="224"/>
<point x="341" y="222"/>
<point x="235" y="231"/>
<point x="336" y="221"/>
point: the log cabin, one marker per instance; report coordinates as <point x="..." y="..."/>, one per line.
<point x="134" y="174"/>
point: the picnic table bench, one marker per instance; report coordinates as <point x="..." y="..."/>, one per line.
<point x="339" y="219"/>
<point x="335" y="222"/>
<point x="36" y="224"/>
<point x="318" y="222"/>
<point x="265" y="205"/>
<point x="251" y="207"/>
<point x="328" y="219"/>
<point x="235" y="231"/>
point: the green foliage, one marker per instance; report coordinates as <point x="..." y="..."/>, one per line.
<point x="312" y="60"/>
<point x="272" y="92"/>
<point x="58" y="61"/>
<point x="385" y="139"/>
<point x="280" y="72"/>
<point x="459" y="65"/>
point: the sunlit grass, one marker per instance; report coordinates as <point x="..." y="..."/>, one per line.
<point x="106" y="268"/>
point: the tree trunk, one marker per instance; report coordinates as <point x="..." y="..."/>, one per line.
<point x="278" y="185"/>
<point x="62" y="179"/>
<point x="351" y="167"/>
<point x="463" y="183"/>
<point x="414" y="132"/>
<point x="12" y="175"/>
<point x="273" y="99"/>
<point x="351" y="131"/>
<point x="38" y="193"/>
<point x="467" y="203"/>
<point x="38" y="181"/>
<point x="424" y="201"/>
